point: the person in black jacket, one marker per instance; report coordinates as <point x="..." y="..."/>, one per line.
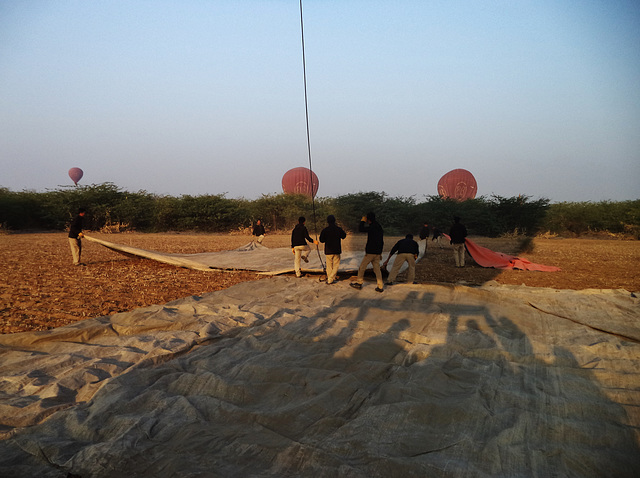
<point x="458" y="234"/>
<point x="332" y="236"/>
<point x="258" y="231"/>
<point x="408" y="251"/>
<point x="299" y="238"/>
<point x="75" y="236"/>
<point x="437" y="236"/>
<point x="424" y="234"/>
<point x="373" y="250"/>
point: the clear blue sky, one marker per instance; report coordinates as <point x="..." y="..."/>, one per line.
<point x="536" y="97"/>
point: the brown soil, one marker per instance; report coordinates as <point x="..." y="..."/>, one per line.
<point x="40" y="288"/>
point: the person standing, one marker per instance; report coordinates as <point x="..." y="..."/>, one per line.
<point x="408" y="251"/>
<point x="424" y="235"/>
<point x="299" y="247"/>
<point x="458" y="234"/>
<point x="437" y="236"/>
<point x="75" y="236"/>
<point x="258" y="231"/>
<point x="373" y="250"/>
<point x="332" y="236"/>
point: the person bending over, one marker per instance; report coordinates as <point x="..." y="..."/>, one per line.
<point x="408" y="251"/>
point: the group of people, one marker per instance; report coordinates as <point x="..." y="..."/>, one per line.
<point x="437" y="234"/>
<point x="407" y="249"/>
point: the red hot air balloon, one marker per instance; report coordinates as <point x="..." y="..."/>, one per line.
<point x="458" y="184"/>
<point x="76" y="175"/>
<point x="300" y="181"/>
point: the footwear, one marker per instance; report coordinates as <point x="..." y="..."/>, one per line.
<point x="415" y="281"/>
<point x="378" y="289"/>
<point x="329" y="283"/>
<point x="301" y="275"/>
<point x="306" y="259"/>
<point x="388" y="283"/>
<point x="355" y="285"/>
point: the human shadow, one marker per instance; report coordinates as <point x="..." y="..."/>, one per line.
<point x="403" y="384"/>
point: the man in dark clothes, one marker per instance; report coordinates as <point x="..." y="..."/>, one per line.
<point x="437" y="236"/>
<point x="408" y="251"/>
<point x="258" y="231"/>
<point x="373" y="250"/>
<point x="75" y="236"/>
<point x="299" y="238"/>
<point x="424" y="235"/>
<point x="458" y="233"/>
<point x="332" y="236"/>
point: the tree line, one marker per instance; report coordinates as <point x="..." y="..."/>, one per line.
<point x="111" y="208"/>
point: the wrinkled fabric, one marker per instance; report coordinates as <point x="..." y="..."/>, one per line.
<point x="290" y="377"/>
<point x="488" y="258"/>
<point x="250" y="257"/>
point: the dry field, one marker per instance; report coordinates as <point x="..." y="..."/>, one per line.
<point x="40" y="288"/>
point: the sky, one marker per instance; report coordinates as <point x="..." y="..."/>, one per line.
<point x="185" y="97"/>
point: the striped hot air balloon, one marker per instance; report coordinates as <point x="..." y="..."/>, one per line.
<point x="458" y="184"/>
<point x="300" y="181"/>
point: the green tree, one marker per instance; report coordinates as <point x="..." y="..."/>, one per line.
<point x="519" y="214"/>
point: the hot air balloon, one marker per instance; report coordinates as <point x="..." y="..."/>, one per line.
<point x="300" y="181"/>
<point x="76" y="175"/>
<point x="458" y="184"/>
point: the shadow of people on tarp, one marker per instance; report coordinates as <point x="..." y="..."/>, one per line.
<point x="371" y="391"/>
<point x="482" y="404"/>
<point x="565" y="425"/>
<point x="386" y="347"/>
<point x="418" y="382"/>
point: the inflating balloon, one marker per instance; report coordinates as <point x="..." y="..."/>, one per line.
<point x="76" y="175"/>
<point x="300" y="181"/>
<point x="458" y="184"/>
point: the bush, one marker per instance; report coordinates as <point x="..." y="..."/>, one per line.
<point x="110" y="208"/>
<point x="587" y="217"/>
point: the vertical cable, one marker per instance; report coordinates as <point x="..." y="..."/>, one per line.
<point x="306" y="112"/>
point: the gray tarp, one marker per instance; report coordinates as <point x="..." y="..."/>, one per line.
<point x="251" y="257"/>
<point x="286" y="377"/>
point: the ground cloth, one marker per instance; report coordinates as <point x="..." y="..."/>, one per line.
<point x="290" y="377"/>
<point x="250" y="257"/>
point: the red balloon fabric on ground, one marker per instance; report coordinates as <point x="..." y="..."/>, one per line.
<point x="458" y="184"/>
<point x="300" y="181"/>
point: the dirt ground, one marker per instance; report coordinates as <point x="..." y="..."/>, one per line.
<point x="41" y="289"/>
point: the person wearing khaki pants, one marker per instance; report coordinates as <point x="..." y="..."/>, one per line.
<point x="408" y="251"/>
<point x="458" y="235"/>
<point x="299" y="247"/>
<point x="373" y="251"/>
<point x="332" y="236"/>
<point x="75" y="236"/>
